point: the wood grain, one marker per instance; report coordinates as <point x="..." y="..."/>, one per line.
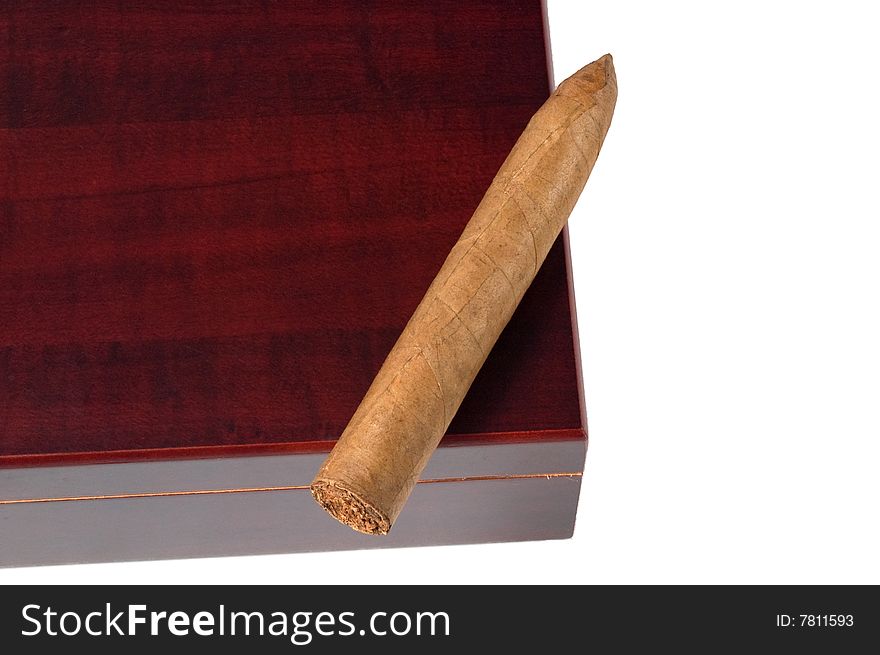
<point x="215" y="219"/>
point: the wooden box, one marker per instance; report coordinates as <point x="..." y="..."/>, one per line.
<point x="214" y="222"/>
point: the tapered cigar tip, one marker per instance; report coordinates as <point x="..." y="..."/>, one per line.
<point x="591" y="79"/>
<point x="605" y="64"/>
<point x="350" y="508"/>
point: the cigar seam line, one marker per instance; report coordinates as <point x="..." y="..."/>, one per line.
<point x="462" y="324"/>
<point x="409" y="410"/>
<point x="509" y="196"/>
<point x="436" y="381"/>
<point x="577" y="148"/>
<point x="522" y="188"/>
<point x="554" y="133"/>
<point x="576" y="102"/>
<point x="305" y="487"/>
<point x="519" y="208"/>
<point x="399" y="372"/>
<point x="500" y="270"/>
<point x="543" y="214"/>
<point x="504" y="190"/>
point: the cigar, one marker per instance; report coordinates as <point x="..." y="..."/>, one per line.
<point x="368" y="476"/>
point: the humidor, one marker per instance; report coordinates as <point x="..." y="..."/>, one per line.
<point x="214" y="223"/>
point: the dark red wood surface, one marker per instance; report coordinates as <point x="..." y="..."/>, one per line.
<point x="216" y="217"/>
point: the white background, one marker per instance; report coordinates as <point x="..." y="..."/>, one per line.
<point x="727" y="264"/>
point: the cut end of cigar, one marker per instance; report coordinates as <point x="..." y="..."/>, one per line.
<point x="348" y="507"/>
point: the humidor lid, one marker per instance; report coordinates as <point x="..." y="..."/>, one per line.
<point x="215" y="223"/>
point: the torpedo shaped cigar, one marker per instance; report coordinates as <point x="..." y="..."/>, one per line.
<point x="374" y="466"/>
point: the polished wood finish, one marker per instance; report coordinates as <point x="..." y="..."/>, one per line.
<point x="149" y="477"/>
<point x="215" y="223"/>
<point x="216" y="218"/>
<point x="258" y="522"/>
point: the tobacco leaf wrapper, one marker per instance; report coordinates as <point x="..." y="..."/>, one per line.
<point x="370" y="473"/>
